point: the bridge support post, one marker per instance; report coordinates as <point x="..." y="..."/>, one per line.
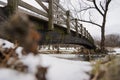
<point x="12" y="6"/>
<point x="68" y="21"/>
<point x="76" y="27"/>
<point x="81" y="29"/>
<point x="50" y="16"/>
<point x="84" y="31"/>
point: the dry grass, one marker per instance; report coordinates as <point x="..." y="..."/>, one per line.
<point x="107" y="69"/>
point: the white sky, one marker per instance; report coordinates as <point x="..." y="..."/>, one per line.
<point x="113" y="18"/>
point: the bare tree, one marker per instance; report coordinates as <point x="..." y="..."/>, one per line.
<point x="101" y="6"/>
<point x="87" y="6"/>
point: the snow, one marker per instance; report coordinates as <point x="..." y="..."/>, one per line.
<point x="19" y="52"/>
<point x="6" y="44"/>
<point x="61" y="69"/>
<point x="58" y="69"/>
<point x="117" y="50"/>
<point x="31" y="61"/>
<point x="8" y="74"/>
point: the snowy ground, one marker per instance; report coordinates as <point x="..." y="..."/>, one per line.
<point x="58" y="69"/>
<point x="115" y="50"/>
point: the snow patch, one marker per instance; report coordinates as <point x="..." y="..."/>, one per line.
<point x="9" y="74"/>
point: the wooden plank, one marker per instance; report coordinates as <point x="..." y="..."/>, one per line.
<point x="42" y="5"/>
<point x="32" y="8"/>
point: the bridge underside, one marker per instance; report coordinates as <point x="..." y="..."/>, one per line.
<point x="59" y="35"/>
<point x="56" y="38"/>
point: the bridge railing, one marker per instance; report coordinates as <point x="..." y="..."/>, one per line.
<point x="55" y="14"/>
<point x="63" y="17"/>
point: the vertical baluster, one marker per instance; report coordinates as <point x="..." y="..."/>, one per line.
<point x="76" y="27"/>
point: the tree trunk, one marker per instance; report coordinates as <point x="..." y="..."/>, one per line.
<point x="103" y="33"/>
<point x="103" y="39"/>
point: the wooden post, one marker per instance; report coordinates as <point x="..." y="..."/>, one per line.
<point x="84" y="29"/>
<point x="81" y="29"/>
<point x="76" y="27"/>
<point x="50" y="16"/>
<point x="68" y="21"/>
<point x="87" y="34"/>
<point x="58" y="48"/>
<point x="56" y="8"/>
<point x="12" y="6"/>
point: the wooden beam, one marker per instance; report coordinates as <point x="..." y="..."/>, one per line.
<point x="42" y="5"/>
<point x="50" y="16"/>
<point x="32" y="8"/>
<point x="68" y="21"/>
<point x="12" y="6"/>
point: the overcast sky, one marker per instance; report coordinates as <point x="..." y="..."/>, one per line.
<point x="113" y="18"/>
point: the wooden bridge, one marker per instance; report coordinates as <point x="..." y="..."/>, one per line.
<point x="56" y="24"/>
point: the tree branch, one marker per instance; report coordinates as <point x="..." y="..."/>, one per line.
<point x="90" y="22"/>
<point x="86" y="9"/>
<point x="102" y="7"/>
<point x="107" y="3"/>
<point x="94" y="2"/>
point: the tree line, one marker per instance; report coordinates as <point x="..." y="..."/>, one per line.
<point x="111" y="40"/>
